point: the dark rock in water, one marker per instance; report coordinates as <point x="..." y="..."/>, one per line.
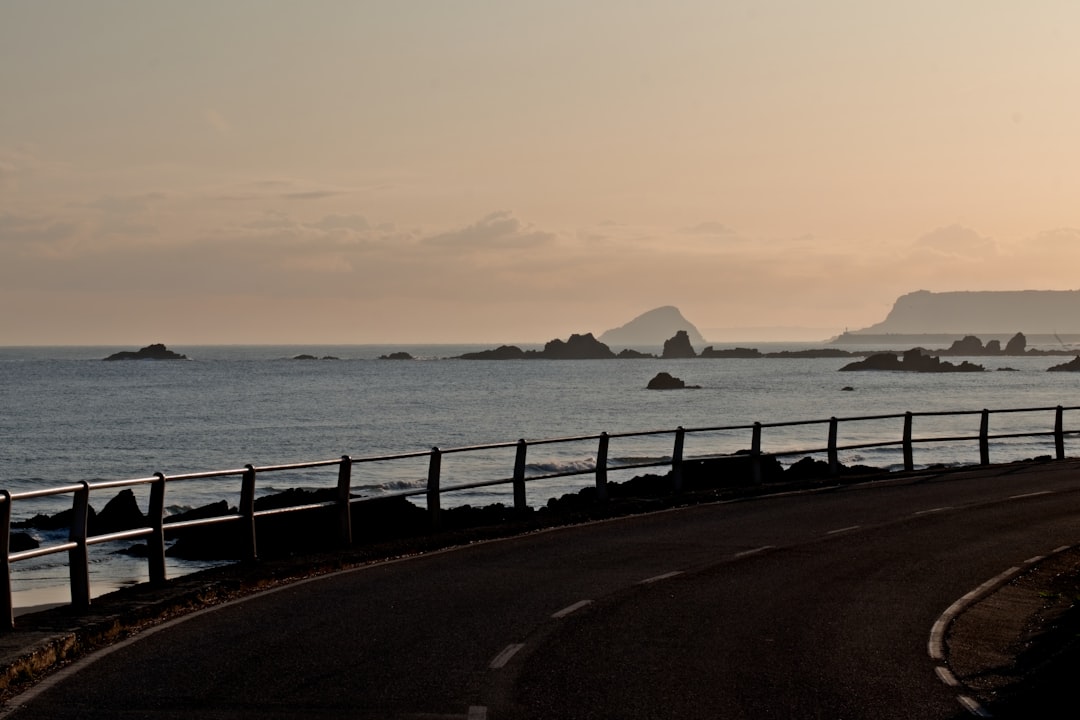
<point x="678" y="346"/>
<point x="968" y="345"/>
<point x="503" y="352"/>
<point x="847" y="388"/>
<point x="666" y="381"/>
<point x="578" y="347"/>
<point x="59" y="521"/>
<point x="914" y="360"/>
<point x="993" y="347"/>
<point x="1071" y="366"/>
<point x="156" y="351"/>
<point x="201" y="513"/>
<point x="738" y="353"/>
<point x="305" y="356"/>
<point x="1017" y="345"/>
<point x="397" y="356"/>
<point x="810" y="353"/>
<point x="1007" y="369"/>
<point x="629" y="354"/>
<point x="730" y="471"/>
<point x="120" y="513"/>
<point x="22" y="541"/>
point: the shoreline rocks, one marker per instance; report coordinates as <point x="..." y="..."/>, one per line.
<point x="157" y="351"/>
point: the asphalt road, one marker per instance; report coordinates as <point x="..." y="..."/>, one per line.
<point x="812" y="605"/>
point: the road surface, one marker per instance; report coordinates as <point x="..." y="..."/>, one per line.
<point x="808" y="605"/>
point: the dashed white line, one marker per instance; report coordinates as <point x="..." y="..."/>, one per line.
<point x="571" y="608"/>
<point x="933" y="510"/>
<point x="755" y="551"/>
<point x="658" y="578"/>
<point x="504" y="657"/>
<point x="843" y="530"/>
<point x="946" y="676"/>
<point x="973" y="706"/>
<point x="1031" y="494"/>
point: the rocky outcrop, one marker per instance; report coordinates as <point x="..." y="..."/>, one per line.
<point x="650" y="329"/>
<point x="1071" y="366"/>
<point x="397" y="356"/>
<point x="1017" y="345"/>
<point x="678" y="347"/>
<point x="578" y="347"/>
<point x="914" y="360"/>
<point x="666" y="381"/>
<point x="738" y="352"/>
<point x="305" y="356"/>
<point x="157" y="351"/>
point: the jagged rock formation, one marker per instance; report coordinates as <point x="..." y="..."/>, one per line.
<point x="914" y="360"/>
<point x="577" y="347"/>
<point x="1071" y="366"/>
<point x="666" y="381"/>
<point x="678" y="347"/>
<point x="739" y="352"/>
<point x="986" y="313"/>
<point x="157" y="351"/>
<point x="651" y="329"/>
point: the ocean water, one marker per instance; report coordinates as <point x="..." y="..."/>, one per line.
<point x="65" y="416"/>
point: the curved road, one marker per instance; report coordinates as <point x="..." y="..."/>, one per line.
<point x="809" y="605"/>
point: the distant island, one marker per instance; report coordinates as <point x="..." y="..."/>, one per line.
<point x="983" y="313"/>
<point x="651" y="329"/>
<point x="157" y="351"/>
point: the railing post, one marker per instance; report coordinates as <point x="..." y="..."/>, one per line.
<point x="155" y="544"/>
<point x="247" y="511"/>
<point x="78" y="557"/>
<point x="601" y="468"/>
<point x="909" y="455"/>
<point x="984" y="438"/>
<point x="434" y="500"/>
<point x="520" y="505"/>
<point x="7" y="609"/>
<point x="344" y="491"/>
<point x="1059" y="432"/>
<point x="755" y="454"/>
<point x="834" y="460"/>
<point x="677" y="460"/>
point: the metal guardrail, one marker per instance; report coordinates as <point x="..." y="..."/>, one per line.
<point x="79" y="540"/>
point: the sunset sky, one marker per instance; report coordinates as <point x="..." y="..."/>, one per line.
<point x="260" y="171"/>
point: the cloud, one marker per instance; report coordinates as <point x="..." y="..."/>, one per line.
<point x="497" y="230"/>
<point x="311" y="194"/>
<point x="342" y="222"/>
<point x="958" y="241"/>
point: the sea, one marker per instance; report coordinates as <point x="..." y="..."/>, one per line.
<point x="66" y="417"/>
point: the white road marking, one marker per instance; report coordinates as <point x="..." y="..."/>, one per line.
<point x="843" y="530"/>
<point x="755" y="551"/>
<point x="571" y="608"/>
<point x="932" y="510"/>
<point x="946" y="676"/>
<point x="504" y="657"/>
<point x="477" y="712"/>
<point x="657" y="578"/>
<point x="1031" y="494"/>
<point x="972" y="706"/>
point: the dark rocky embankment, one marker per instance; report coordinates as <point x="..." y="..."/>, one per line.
<point x="397" y="520"/>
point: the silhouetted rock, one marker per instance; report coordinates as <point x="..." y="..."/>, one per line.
<point x="305" y="356"/>
<point x="914" y="360"/>
<point x="120" y="513"/>
<point x="503" y="352"/>
<point x="578" y="347"/>
<point x="678" y="346"/>
<point x="1071" y="366"/>
<point x="810" y="353"/>
<point x="738" y="353"/>
<point x="156" y="351"/>
<point x="968" y="345"/>
<point x="1017" y="345"/>
<point x="397" y="356"/>
<point x="665" y="381"/>
<point x="22" y="541"/>
<point x="628" y="354"/>
<point x="993" y="347"/>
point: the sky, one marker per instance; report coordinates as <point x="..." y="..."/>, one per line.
<point x="496" y="171"/>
